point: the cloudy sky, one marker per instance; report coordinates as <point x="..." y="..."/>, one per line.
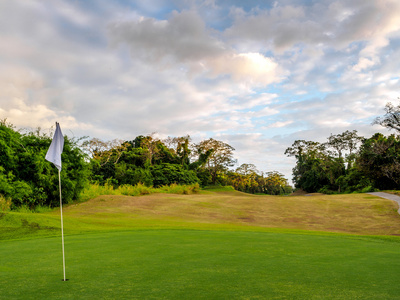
<point x="255" y="74"/>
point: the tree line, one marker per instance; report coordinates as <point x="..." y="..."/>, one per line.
<point x="156" y="162"/>
<point x="348" y="162"/>
<point x="27" y="179"/>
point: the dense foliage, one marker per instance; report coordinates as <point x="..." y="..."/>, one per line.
<point x="347" y="163"/>
<point x="145" y="160"/>
<point x="28" y="179"/>
<point x="157" y="163"/>
<point x="247" y="178"/>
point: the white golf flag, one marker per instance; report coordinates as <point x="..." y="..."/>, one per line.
<point x="56" y="148"/>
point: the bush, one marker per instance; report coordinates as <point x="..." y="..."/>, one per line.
<point x="167" y="174"/>
<point x="368" y="189"/>
<point x="22" y="194"/>
<point x="180" y="189"/>
<point x="5" y="203"/>
<point x="136" y="190"/>
<point x="94" y="190"/>
<point x="326" y="190"/>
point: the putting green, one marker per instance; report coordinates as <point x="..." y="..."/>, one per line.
<point x="196" y="264"/>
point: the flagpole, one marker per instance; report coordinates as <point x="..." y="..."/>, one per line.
<point x="62" y="225"/>
<point x="53" y="155"/>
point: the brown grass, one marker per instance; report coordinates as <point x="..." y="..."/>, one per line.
<point x="356" y="213"/>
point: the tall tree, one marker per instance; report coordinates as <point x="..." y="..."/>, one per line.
<point x="379" y="159"/>
<point x="247" y="169"/>
<point x="220" y="159"/>
<point x="338" y="142"/>
<point x="180" y="146"/>
<point x="391" y="119"/>
<point x="245" y="178"/>
<point x="307" y="171"/>
<point x="316" y="167"/>
<point x="347" y="141"/>
<point x="275" y="183"/>
<point x="104" y="151"/>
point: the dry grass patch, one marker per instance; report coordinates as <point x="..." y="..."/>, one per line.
<point x="356" y="213"/>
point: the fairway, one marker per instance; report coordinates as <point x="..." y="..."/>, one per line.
<point x="213" y="245"/>
<point x="190" y="264"/>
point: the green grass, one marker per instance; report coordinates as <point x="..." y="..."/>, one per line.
<point x="190" y="264"/>
<point x="217" y="244"/>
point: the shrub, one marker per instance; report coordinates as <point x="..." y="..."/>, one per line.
<point x="326" y="190"/>
<point x="94" y="190"/>
<point x="5" y="203"/>
<point x="367" y="189"/>
<point x="167" y="174"/>
<point x="136" y="190"/>
<point x="180" y="189"/>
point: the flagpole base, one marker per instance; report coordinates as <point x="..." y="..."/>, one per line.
<point x="64" y="279"/>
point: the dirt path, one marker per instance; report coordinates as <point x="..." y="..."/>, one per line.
<point x="388" y="196"/>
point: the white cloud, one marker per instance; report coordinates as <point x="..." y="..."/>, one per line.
<point x="258" y="77"/>
<point x="280" y="124"/>
<point x="253" y="68"/>
<point x="266" y="111"/>
<point x="37" y="115"/>
<point x="185" y="40"/>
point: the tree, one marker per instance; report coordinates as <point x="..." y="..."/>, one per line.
<point x="347" y="140"/>
<point x="28" y="179"/>
<point x="275" y="183"/>
<point x="247" y="169"/>
<point x="180" y="147"/>
<point x="104" y="151"/>
<point x="166" y="174"/>
<point x="353" y="139"/>
<point x="316" y="167"/>
<point x="338" y="142"/>
<point x="150" y="146"/>
<point x="379" y="159"/>
<point x="391" y="119"/>
<point x="146" y="160"/>
<point x="220" y="158"/>
<point x="307" y="174"/>
<point x="244" y="179"/>
<point x="319" y="166"/>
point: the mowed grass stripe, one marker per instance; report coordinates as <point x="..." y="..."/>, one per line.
<point x="193" y="264"/>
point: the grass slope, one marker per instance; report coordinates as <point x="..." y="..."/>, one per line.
<point x="358" y="214"/>
<point x="354" y="214"/>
